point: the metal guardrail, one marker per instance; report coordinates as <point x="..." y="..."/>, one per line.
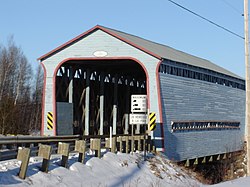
<point x="11" y="143"/>
<point x="20" y="139"/>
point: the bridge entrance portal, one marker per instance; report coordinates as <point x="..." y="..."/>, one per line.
<point x="94" y="95"/>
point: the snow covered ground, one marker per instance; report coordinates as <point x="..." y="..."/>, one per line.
<point x="110" y="171"/>
<point x="241" y="182"/>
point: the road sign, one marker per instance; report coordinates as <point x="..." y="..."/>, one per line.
<point x="138" y="103"/>
<point x="152" y="120"/>
<point x="138" y="119"/>
<point x="50" y="121"/>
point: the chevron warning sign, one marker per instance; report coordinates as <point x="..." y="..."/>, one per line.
<point x="50" y="121"/>
<point x="152" y="120"/>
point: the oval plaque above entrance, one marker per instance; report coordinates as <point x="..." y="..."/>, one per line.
<point x="100" y="53"/>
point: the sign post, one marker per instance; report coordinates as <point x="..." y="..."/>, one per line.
<point x="138" y="116"/>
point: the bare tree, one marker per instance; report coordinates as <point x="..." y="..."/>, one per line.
<point x="15" y="90"/>
<point x="37" y="100"/>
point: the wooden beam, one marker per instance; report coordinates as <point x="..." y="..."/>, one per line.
<point x="87" y="97"/>
<point x="115" y="104"/>
<point x="102" y="76"/>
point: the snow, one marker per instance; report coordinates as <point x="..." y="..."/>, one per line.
<point x="110" y="171"/>
<point x="240" y="182"/>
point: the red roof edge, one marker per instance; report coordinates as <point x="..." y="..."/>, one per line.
<point x="67" y="43"/>
<point x="91" y="30"/>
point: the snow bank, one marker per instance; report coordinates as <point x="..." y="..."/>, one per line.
<point x="111" y="170"/>
<point x="240" y="182"/>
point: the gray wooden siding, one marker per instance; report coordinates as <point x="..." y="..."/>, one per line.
<point x="190" y="99"/>
<point x="86" y="47"/>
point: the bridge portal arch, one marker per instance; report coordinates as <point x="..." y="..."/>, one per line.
<point x="93" y="94"/>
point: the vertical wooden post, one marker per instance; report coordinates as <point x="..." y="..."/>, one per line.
<point x="126" y="123"/>
<point x="70" y="88"/>
<point x="149" y="142"/>
<point x="247" y="120"/>
<point x="127" y="107"/>
<point x="153" y="148"/>
<point x="24" y="156"/>
<point x="80" y="146"/>
<point x="132" y="141"/>
<point x="127" y="144"/>
<point x="231" y="171"/>
<point x="187" y="164"/>
<point x="139" y="143"/>
<point x="115" y="104"/>
<point x="87" y="97"/>
<point x="120" y="143"/>
<point x="113" y="148"/>
<point x="144" y="145"/>
<point x="63" y="149"/>
<point x="137" y="129"/>
<point x="45" y="152"/>
<point x="101" y="102"/>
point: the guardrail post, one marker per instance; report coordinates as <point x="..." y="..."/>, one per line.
<point x="149" y="143"/>
<point x="145" y="138"/>
<point x="132" y="143"/>
<point x="107" y="143"/>
<point x="135" y="143"/>
<point x="144" y="146"/>
<point x="63" y="149"/>
<point x="123" y="144"/>
<point x="139" y="143"/>
<point x="95" y="144"/>
<point x="142" y="142"/>
<point x="119" y="139"/>
<point x="113" y="148"/>
<point x="127" y="143"/>
<point x="45" y="152"/>
<point x="24" y="156"/>
<point x="80" y="146"/>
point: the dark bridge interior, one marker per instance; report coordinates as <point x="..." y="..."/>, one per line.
<point x="94" y="95"/>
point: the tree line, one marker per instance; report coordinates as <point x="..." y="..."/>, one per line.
<point x="20" y="92"/>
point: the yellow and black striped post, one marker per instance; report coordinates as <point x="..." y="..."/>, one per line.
<point x="152" y="120"/>
<point x="50" y="121"/>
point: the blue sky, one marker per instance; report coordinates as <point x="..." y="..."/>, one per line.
<point x="40" y="26"/>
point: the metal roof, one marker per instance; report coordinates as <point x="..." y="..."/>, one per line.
<point x="169" y="53"/>
<point x="152" y="48"/>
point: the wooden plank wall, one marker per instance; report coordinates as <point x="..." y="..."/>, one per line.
<point x="190" y="99"/>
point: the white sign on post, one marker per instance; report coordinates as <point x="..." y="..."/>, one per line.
<point x="138" y="103"/>
<point x="138" y="119"/>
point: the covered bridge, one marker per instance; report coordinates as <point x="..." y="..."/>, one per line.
<point x="89" y="80"/>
